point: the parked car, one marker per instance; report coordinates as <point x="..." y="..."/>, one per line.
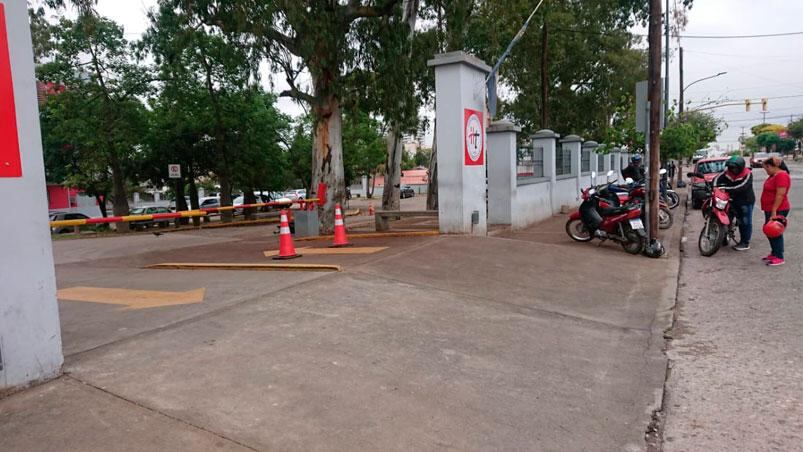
<point x="59" y="216"/>
<point x="406" y="192"/>
<point x="149" y="210"/>
<point x="260" y="198"/>
<point x="208" y="202"/>
<point x="758" y="159"/>
<point x="708" y="168"/>
<point x="296" y="194"/>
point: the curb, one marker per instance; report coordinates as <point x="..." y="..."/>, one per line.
<point x="370" y="235"/>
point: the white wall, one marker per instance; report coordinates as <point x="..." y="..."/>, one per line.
<point x="532" y="203"/>
<point x="30" y="335"/>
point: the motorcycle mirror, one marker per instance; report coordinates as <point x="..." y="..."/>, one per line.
<point x="593" y="174"/>
<point x="629" y="181"/>
<point x="662" y="172"/>
<point x="610" y="173"/>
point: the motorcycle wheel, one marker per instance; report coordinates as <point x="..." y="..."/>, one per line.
<point x="634" y="243"/>
<point x="672" y="199"/>
<point x="664" y="218"/>
<point x="711" y="237"/>
<point x="577" y="231"/>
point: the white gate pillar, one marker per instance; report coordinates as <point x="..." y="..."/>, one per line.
<point x="548" y="141"/>
<point x="30" y="334"/>
<point x="461" y="117"/>
<point x="501" y="170"/>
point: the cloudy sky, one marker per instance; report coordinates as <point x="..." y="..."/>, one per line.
<point x="756" y="67"/>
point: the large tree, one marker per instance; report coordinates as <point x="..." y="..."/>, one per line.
<point x="99" y="115"/>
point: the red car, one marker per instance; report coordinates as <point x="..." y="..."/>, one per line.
<point x="709" y="168"/>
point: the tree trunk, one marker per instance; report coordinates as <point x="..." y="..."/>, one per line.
<point x="119" y="197"/>
<point x="249" y="198"/>
<point x="545" y="75"/>
<point x="181" y="202"/>
<point x="432" y="185"/>
<point x="391" y="193"/>
<point x="327" y="158"/>
<point x="225" y="196"/>
<point x="370" y="188"/>
<point x="194" y="204"/>
<point x="101" y="200"/>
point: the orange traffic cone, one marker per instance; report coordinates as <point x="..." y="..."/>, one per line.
<point x="340" y="229"/>
<point x="286" y="248"/>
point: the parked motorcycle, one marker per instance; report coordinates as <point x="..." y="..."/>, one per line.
<point x="720" y="226"/>
<point x="630" y="192"/>
<point x="598" y="218"/>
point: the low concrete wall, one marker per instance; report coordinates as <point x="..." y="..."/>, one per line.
<point x="565" y="192"/>
<point x="531" y="203"/>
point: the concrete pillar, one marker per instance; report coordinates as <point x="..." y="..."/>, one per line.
<point x="157" y="196"/>
<point x="548" y="140"/>
<point x="364" y="183"/>
<point x="573" y="143"/>
<point x="501" y="170"/>
<point x="30" y="335"/>
<point x="591" y="148"/>
<point x="136" y="199"/>
<point x="460" y="112"/>
<point x="616" y="161"/>
<point x="201" y="192"/>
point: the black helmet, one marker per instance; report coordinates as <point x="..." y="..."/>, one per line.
<point x="735" y="164"/>
<point x="635" y="159"/>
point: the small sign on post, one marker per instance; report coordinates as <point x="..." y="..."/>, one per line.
<point x="174" y="171"/>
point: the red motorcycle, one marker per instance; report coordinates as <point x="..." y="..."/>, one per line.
<point x="636" y="194"/>
<point x="720" y="226"/>
<point x="598" y="218"/>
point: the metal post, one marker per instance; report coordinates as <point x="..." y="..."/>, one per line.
<point x="680" y="77"/>
<point x="666" y="64"/>
<point x="654" y="96"/>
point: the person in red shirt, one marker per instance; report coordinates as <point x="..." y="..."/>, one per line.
<point x="775" y="203"/>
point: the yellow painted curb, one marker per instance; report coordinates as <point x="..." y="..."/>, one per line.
<point x="253" y="267"/>
<point x="371" y="235"/>
<point x="326" y="251"/>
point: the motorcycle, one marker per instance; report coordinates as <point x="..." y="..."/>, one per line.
<point x="720" y="225"/>
<point x="630" y="192"/>
<point x="598" y="218"/>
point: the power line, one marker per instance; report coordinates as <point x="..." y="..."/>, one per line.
<point x="606" y="33"/>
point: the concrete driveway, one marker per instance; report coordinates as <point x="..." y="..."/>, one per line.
<point x="526" y="341"/>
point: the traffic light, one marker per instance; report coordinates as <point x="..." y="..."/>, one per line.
<point x="764" y="104"/>
<point x="747" y="105"/>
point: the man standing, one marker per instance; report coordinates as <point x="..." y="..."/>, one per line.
<point x="634" y="170"/>
<point x="737" y="180"/>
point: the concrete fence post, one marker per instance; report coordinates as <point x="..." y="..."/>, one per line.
<point x="591" y="148"/>
<point x="461" y="116"/>
<point x="548" y="141"/>
<point x="502" y="161"/>
<point x="573" y="143"/>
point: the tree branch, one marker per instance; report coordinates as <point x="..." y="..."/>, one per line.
<point x="355" y="10"/>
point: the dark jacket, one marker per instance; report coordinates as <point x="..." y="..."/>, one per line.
<point x="740" y="187"/>
<point x="634" y="172"/>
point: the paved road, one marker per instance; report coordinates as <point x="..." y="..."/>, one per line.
<point x="524" y="341"/>
<point x="736" y="380"/>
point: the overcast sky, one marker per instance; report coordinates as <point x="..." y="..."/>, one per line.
<point x="756" y="68"/>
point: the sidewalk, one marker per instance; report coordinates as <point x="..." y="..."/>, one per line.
<point x="736" y="379"/>
<point x="527" y="341"/>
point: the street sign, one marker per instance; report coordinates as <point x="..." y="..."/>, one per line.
<point x="473" y="137"/>
<point x="174" y="171"/>
<point x="643" y="107"/>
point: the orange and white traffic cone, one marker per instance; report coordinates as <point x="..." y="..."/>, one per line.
<point x="286" y="248"/>
<point x="340" y="229"/>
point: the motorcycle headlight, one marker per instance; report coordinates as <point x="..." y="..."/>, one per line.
<point x="721" y="204"/>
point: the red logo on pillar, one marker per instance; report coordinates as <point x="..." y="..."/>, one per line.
<point x="10" y="165"/>
<point x="473" y="137"/>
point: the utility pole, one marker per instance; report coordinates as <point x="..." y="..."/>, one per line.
<point x="666" y="65"/>
<point x="654" y="97"/>
<point x="680" y="77"/>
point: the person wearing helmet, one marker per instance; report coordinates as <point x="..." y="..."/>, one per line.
<point x="737" y="180"/>
<point x="634" y="170"/>
<point x="775" y="203"/>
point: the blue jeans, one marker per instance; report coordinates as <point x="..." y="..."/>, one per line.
<point x="744" y="213"/>
<point x="776" y="244"/>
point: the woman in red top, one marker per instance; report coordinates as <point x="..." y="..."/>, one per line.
<point x="775" y="203"/>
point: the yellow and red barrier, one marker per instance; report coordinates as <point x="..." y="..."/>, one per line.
<point x="305" y="204"/>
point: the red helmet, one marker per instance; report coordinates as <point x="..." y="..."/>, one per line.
<point x="775" y="227"/>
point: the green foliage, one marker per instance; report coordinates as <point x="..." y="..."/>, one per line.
<point x="761" y="128"/>
<point x="796" y="129"/>
<point x="421" y="157"/>
<point x="363" y="146"/>
<point x="772" y="142"/>
<point x="683" y="136"/>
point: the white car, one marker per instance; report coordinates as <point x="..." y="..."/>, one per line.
<point x="296" y="194"/>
